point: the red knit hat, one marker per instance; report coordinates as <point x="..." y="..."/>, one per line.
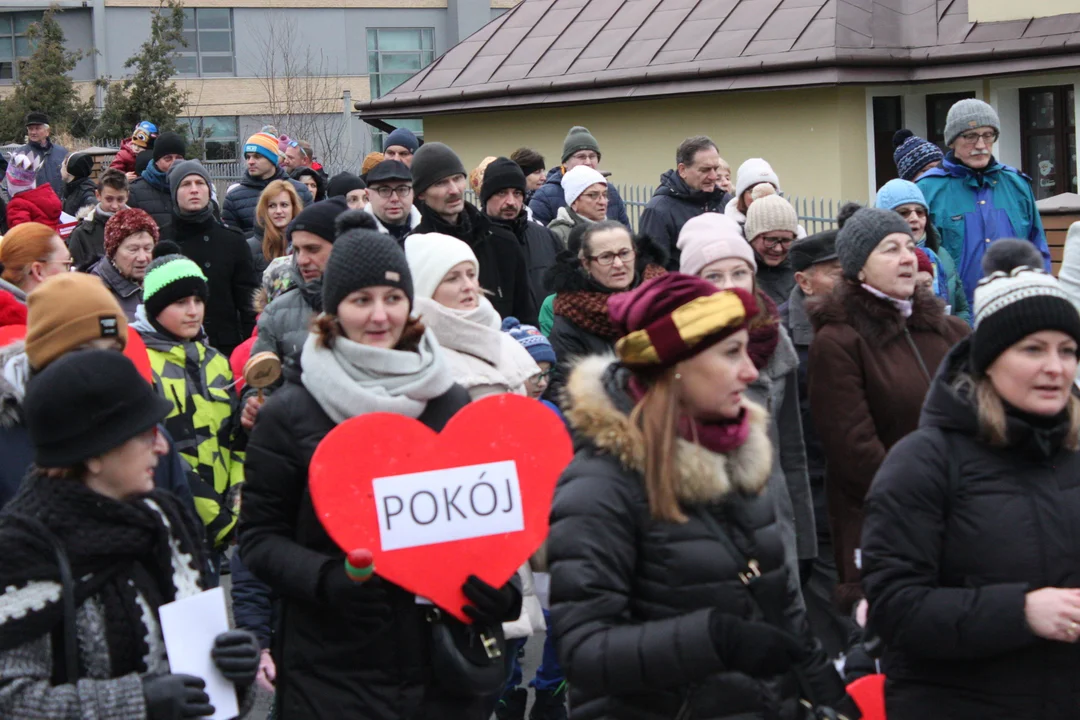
<point x="123" y="225"/>
<point x="674" y="317"/>
<point x="923" y="261"/>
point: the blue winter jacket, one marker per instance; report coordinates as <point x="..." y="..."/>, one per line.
<point x="547" y="200"/>
<point x="52" y="160"/>
<point x="238" y="210"/>
<point x="973" y="209"/>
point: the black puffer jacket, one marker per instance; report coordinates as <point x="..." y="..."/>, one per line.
<point x="672" y="204"/>
<point x="146" y="196"/>
<point x="87" y="241"/>
<point x="238" y="209"/>
<point x="632" y="596"/>
<point x="948" y="559"/>
<point x="328" y="668"/>
<point x="79" y="193"/>
<point x="540" y="246"/>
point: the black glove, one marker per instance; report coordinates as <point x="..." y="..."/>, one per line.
<point x="236" y="654"/>
<point x="489" y="605"/>
<point x="365" y="603"/>
<point x="176" y="697"/>
<point x="755" y="648"/>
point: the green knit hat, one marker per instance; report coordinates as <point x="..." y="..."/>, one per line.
<point x="579" y="138"/>
<point x="170" y="278"/>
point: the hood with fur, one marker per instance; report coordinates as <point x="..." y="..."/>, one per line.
<point x="598" y="409"/>
<point x="876" y="319"/>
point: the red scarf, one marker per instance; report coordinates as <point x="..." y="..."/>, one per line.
<point x="764" y="332"/>
<point x="720" y="436"/>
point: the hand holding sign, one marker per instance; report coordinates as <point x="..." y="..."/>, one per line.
<point x="437" y="508"/>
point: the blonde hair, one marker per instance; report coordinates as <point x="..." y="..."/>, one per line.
<point x="24" y="245"/>
<point x="273" y="244"/>
<point x="990" y="410"/>
<point x="654" y="427"/>
<point x="476" y="177"/>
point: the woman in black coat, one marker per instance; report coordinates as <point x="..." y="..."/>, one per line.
<point x="669" y="589"/>
<point x="345" y="649"/>
<point x="970" y="543"/>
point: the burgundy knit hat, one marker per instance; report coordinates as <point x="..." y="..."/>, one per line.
<point x="124" y="224"/>
<point x="923" y="262"/>
<point x="674" y="317"/>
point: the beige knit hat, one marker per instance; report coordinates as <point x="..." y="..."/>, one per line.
<point x="768" y="213"/>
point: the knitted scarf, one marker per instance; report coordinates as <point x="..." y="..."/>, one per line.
<point x="126" y="553"/>
<point x="764" y="332"/>
<point x="719" y="435"/>
<point x="156" y="178"/>
<point x="588" y="308"/>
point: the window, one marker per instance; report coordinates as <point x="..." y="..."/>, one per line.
<point x="209" y="36"/>
<point x="395" y="55"/>
<point x="220" y="136"/>
<point x="937" y="109"/>
<point x="1048" y="139"/>
<point x="888" y="118"/>
<point x="14" y="44"/>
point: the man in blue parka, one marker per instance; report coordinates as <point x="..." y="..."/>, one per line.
<point x="973" y="198"/>
<point x="579" y="148"/>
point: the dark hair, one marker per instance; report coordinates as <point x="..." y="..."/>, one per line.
<point x="114" y="179"/>
<point x="327" y="329"/>
<point x="690" y="147"/>
<point x="350" y="219"/>
<point x="1008" y="254"/>
<point x="846" y="211"/>
<point x="527" y="157"/>
<point x="78" y="471"/>
<point x="603" y="226"/>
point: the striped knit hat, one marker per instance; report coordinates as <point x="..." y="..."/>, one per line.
<point x="170" y="278"/>
<point x="264" y="144"/>
<point x="1009" y="307"/>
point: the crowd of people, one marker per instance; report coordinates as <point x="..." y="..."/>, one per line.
<point x="799" y="459"/>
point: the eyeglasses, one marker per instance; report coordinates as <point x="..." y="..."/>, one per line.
<point x="298" y="146"/>
<point x="541" y="376"/>
<point x="402" y="191"/>
<point x="66" y="263"/>
<point x="989" y="138"/>
<point x="594" y="195"/>
<point x="585" y="155"/>
<point x="773" y="242"/>
<point x="608" y="258"/>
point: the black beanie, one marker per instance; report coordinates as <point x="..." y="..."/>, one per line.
<point x="80" y="165"/>
<point x="363" y="257"/>
<point x="169" y="143"/>
<point x="142" y="160"/>
<point x="344" y="183"/>
<point x="87" y="403"/>
<point x="432" y="163"/>
<point x="501" y="174"/>
<point x="318" y="219"/>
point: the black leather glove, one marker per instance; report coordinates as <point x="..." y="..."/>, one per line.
<point x="365" y="603"/>
<point x="176" y="697"/>
<point x="236" y="654"/>
<point x="490" y="605"/>
<point x="755" y="648"/>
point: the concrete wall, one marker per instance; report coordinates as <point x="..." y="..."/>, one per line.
<point x="814" y="138"/>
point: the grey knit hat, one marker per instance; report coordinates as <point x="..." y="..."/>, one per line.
<point x="432" y="163"/>
<point x="862" y="232"/>
<point x="967" y="115"/>
<point x="181" y="170"/>
<point x="579" y="138"/>
<point x="363" y="257"/>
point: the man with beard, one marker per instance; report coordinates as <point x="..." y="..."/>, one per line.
<point x="502" y="195"/>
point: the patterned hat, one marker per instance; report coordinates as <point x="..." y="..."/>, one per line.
<point x="264" y="144"/>
<point x="170" y="278"/>
<point x="913" y="153"/>
<point x="22" y="172"/>
<point x="124" y="224"/>
<point x="531" y="339"/>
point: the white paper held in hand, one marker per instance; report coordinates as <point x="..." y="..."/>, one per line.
<point x="189" y="627"/>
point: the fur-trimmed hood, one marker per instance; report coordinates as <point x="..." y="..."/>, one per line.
<point x="598" y="409"/>
<point x="877" y="320"/>
<point x="567" y="275"/>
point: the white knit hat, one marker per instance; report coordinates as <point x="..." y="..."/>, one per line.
<point x="578" y="180"/>
<point x="752" y="172"/>
<point x="710" y="237"/>
<point x="431" y="256"/>
<point x="769" y="213"/>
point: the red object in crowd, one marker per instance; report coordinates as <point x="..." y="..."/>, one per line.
<point x="12" y="333"/>
<point x="240" y="355"/>
<point x="12" y="312"/>
<point x="869" y="694"/>
<point x="124" y="161"/>
<point x="136" y="353"/>
<point x="38" y="205"/>
<point x="360" y="565"/>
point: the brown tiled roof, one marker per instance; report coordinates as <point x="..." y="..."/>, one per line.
<point x="564" y="51"/>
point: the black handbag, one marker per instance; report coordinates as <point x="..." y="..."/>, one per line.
<point x="466" y="660"/>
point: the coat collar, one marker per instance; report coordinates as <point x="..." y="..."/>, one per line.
<point x="876" y="320"/>
<point x="802" y="332"/>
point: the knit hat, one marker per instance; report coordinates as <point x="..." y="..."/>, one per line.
<point x="579" y="138"/>
<point x="67" y="311"/>
<point x="80" y="165"/>
<point x="144" y="134"/>
<point x="1011" y="306"/>
<point x="674" y="317"/>
<point x="124" y="224"/>
<point x="710" y="237"/>
<point x="913" y="153"/>
<point x="501" y="174"/>
<point x="403" y="137"/>
<point x="165" y="247"/>
<point x="813" y="250"/>
<point x="263" y="144"/>
<point x="86" y="404"/>
<point x="579" y="179"/>
<point x="169" y="143"/>
<point x="344" y="183"/>
<point x="861" y="233"/>
<point x="431" y="256"/>
<point x="531" y="339"/>
<point x="170" y="278"/>
<point x="923" y="263"/>
<point x="389" y="170"/>
<point x="769" y="214"/>
<point x="433" y="162"/>
<point x="371" y="160"/>
<point x="895" y="193"/>
<point x="181" y="170"/>
<point x="35" y="118"/>
<point x="969" y="114"/>
<point x="22" y="172"/>
<point x="363" y="257"/>
<point x="752" y="172"/>
<point x="1007" y="254"/>
<point x="319" y="219"/>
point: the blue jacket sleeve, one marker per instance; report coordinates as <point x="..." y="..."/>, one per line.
<point x="545" y="204"/>
<point x="616" y="207"/>
<point x="252" y="601"/>
<point x="171" y="475"/>
<point x="1038" y="236"/>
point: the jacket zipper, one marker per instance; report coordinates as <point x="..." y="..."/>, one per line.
<point x="918" y="357"/>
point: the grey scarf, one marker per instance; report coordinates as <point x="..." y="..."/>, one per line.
<point x="354" y="379"/>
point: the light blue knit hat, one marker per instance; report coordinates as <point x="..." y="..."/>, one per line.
<point x="895" y="193"/>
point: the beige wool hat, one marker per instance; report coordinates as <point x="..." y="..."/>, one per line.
<point x="768" y="213"/>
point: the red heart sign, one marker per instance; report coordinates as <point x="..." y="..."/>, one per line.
<point x="12" y="333"/>
<point x="434" y="508"/>
<point x="135" y="350"/>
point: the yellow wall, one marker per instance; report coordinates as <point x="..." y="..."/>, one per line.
<point x="815" y="138"/>
<point x="1000" y="10"/>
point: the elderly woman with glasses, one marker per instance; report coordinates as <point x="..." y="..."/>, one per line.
<point x="772" y="226"/>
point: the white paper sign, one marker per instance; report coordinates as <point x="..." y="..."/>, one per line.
<point x="438" y="506"/>
<point x="190" y="626"/>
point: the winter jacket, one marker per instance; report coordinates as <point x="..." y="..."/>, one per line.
<point x="869" y="372"/>
<point x="252" y="602"/>
<point x="156" y="200"/>
<point x="238" y="210"/>
<point x="12" y="310"/>
<point x="285" y="323"/>
<point x="52" y="161"/>
<point x="196" y="379"/>
<point x="127" y="292"/>
<point x="632" y="596"/>
<point x="565" y="221"/>
<point x="777" y="281"/>
<point x="411" y="223"/>
<point x="328" y="667"/>
<point x="954" y="295"/>
<point x="124" y="160"/>
<point x="956" y="533"/>
<point x="40" y="205"/>
<point x="672" y="204"/>
<point x="258" y="259"/>
<point x="540" y="247"/>
<point x="79" y="194"/>
<point x="972" y="209"/>
<point x="549" y="197"/>
<point x="87" y="241"/>
<point x="503" y="272"/>
<point x="224" y="257"/>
